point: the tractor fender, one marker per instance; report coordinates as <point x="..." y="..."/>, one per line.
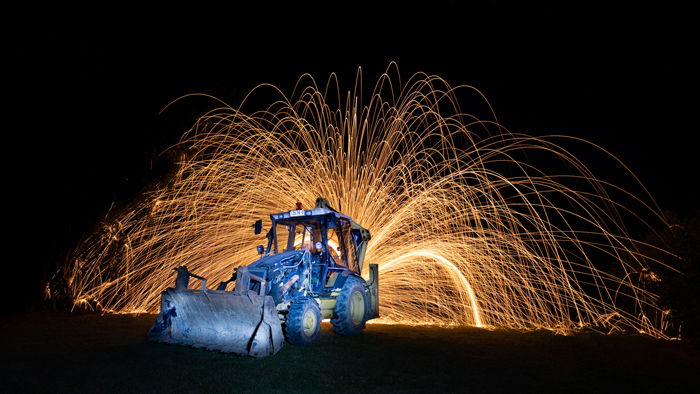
<point x="342" y="278"/>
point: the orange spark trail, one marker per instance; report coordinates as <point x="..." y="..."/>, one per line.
<point x="466" y="229"/>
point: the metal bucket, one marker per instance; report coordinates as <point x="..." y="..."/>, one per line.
<point x="244" y="324"/>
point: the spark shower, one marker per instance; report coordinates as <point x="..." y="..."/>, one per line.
<point x="467" y="229"/>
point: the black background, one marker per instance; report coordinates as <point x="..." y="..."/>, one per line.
<point x="85" y="86"/>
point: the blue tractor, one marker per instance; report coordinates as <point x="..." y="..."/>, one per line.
<point x="309" y="271"/>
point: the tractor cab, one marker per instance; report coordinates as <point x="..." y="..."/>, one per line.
<point x="325" y="234"/>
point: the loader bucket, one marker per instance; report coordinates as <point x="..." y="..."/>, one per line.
<point x="244" y="324"/>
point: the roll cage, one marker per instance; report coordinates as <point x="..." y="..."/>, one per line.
<point x="307" y="228"/>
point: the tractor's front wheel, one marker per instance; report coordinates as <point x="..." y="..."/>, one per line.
<point x="303" y="323"/>
<point x="350" y="313"/>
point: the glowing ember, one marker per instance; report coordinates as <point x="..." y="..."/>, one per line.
<point x="465" y="230"/>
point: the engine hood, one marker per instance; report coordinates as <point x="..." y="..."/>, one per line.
<point x="277" y="260"/>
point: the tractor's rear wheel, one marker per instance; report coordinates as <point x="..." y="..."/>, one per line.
<point x="351" y="306"/>
<point x="303" y="323"/>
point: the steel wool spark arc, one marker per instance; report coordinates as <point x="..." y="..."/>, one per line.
<point x="466" y="229"/>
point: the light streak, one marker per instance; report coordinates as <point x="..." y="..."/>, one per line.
<point x="476" y="314"/>
<point x="466" y="230"/>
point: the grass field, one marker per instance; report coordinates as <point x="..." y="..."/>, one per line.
<point x="54" y="352"/>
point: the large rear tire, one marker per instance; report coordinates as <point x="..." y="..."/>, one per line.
<point x="351" y="306"/>
<point x="303" y="323"/>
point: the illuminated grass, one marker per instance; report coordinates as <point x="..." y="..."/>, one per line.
<point x="88" y="353"/>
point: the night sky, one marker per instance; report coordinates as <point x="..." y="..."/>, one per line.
<point x="83" y="128"/>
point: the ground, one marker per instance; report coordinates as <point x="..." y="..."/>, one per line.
<point x="59" y="352"/>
